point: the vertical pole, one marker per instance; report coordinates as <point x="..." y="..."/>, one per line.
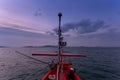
<point x="59" y="35"/>
<point x="59" y="51"/>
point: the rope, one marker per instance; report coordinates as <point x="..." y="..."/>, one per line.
<point x="32" y="58"/>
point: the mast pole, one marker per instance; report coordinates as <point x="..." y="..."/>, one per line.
<point x="59" y="35"/>
<point x="59" y="51"/>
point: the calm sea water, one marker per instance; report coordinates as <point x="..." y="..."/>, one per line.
<point x="100" y="63"/>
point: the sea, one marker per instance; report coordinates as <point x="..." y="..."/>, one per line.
<point x="100" y="63"/>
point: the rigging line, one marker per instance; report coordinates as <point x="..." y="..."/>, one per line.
<point x="32" y="57"/>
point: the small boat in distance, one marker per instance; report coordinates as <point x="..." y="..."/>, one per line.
<point x="61" y="70"/>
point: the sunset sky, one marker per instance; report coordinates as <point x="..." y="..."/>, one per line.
<point x="84" y="22"/>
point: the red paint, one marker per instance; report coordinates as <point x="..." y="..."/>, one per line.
<point x="64" y="69"/>
<point x="64" y="54"/>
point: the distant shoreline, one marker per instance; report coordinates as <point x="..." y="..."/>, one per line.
<point x="57" y="46"/>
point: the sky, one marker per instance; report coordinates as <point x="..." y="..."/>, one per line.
<point x="91" y="23"/>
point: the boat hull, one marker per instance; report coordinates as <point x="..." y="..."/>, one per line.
<point x="65" y="73"/>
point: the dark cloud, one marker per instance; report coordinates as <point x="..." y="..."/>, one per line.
<point x="110" y="36"/>
<point x="84" y="26"/>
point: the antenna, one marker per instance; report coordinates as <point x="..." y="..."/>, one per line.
<point x="60" y="42"/>
<point x="59" y="35"/>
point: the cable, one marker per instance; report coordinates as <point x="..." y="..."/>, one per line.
<point x="32" y="57"/>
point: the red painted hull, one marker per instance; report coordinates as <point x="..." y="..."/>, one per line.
<point x="64" y="73"/>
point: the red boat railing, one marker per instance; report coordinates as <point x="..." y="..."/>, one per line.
<point x="55" y="54"/>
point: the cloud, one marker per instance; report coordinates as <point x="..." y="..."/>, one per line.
<point x="21" y="28"/>
<point x="16" y="32"/>
<point x="16" y="37"/>
<point x="85" y="26"/>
